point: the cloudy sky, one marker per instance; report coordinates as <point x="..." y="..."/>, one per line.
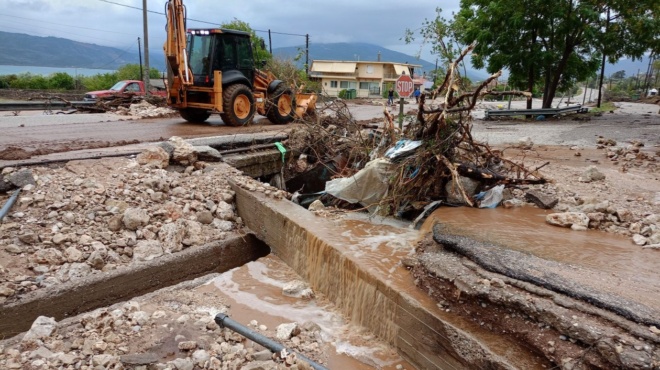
<point x="118" y="23"/>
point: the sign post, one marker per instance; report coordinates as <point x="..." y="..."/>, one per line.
<point x="404" y="87"/>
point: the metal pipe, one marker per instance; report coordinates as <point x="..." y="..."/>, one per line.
<point x="5" y="209"/>
<point x="225" y="321"/>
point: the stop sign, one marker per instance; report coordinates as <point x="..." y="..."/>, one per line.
<point x="404" y="86"/>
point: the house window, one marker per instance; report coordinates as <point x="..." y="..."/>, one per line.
<point x="348" y="84"/>
<point x="333" y="84"/>
<point x="364" y="85"/>
<point x="370" y="69"/>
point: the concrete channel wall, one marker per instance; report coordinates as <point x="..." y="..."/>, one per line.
<point x="107" y="288"/>
<point x="408" y="320"/>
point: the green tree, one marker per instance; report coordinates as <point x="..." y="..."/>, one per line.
<point x="61" y="81"/>
<point x="258" y="43"/>
<point x="558" y="42"/>
<point x="99" y="81"/>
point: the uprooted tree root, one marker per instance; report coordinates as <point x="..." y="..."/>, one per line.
<point x="448" y="150"/>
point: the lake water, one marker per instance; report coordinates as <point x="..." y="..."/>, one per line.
<point x="8" y="70"/>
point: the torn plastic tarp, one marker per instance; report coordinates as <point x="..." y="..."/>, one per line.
<point x="490" y="198"/>
<point x="402" y="149"/>
<point x="367" y="187"/>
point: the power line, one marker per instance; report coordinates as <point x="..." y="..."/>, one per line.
<point x="65" y="25"/>
<point x="197" y="20"/>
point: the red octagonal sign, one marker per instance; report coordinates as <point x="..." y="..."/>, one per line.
<point x="404" y="86"/>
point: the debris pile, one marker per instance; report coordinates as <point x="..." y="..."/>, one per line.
<point x="446" y="164"/>
<point x="144" y="109"/>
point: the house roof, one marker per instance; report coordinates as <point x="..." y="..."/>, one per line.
<point x="364" y="62"/>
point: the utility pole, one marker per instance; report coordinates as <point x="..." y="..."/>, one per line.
<point x="307" y="54"/>
<point x="140" y="56"/>
<point x="147" y="86"/>
<point x="270" y="42"/>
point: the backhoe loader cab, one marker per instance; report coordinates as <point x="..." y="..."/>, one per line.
<point x="223" y="50"/>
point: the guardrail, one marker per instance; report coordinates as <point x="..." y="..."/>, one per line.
<point x="490" y="113"/>
<point x="42" y="105"/>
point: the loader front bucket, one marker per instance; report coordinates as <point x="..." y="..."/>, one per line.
<point x="305" y="104"/>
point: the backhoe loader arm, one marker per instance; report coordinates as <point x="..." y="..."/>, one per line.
<point x="175" y="46"/>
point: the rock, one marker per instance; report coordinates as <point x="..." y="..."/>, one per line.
<point x="60" y="238"/>
<point x="48" y="256"/>
<point x="207" y="153"/>
<point x="146" y="250"/>
<point x="316" y="205"/>
<point x="454" y="195"/>
<point x="67" y="358"/>
<point x="139" y="358"/>
<point x="260" y="365"/>
<point x="542" y="200"/>
<point x="512" y="203"/>
<point x="188" y="345"/>
<point x="140" y="317"/>
<point x="174" y="235"/>
<point x="42" y="328"/>
<point x="225" y="211"/>
<point x="135" y="218"/>
<point x="591" y="174"/>
<point x="182" y="364"/>
<point x="21" y="178"/>
<point x="104" y="360"/>
<point x="297" y="289"/>
<point x="29" y="238"/>
<point x="223" y="225"/>
<point x="73" y="254"/>
<point x="41" y="352"/>
<point x="183" y="153"/>
<point x="13" y="249"/>
<point x="286" y="331"/>
<point x="155" y="157"/>
<point x="6" y="291"/>
<point x="115" y="222"/>
<point x="639" y="239"/>
<point x="525" y="143"/>
<point x="568" y="219"/>
<point x="265" y="355"/>
<point x="624" y="215"/>
<point x="205" y="217"/>
<point x="199" y="357"/>
<point x="97" y="260"/>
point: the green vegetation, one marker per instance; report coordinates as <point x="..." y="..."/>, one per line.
<point x="258" y="43"/>
<point x="544" y="45"/>
<point x="64" y="81"/>
<point x="605" y="107"/>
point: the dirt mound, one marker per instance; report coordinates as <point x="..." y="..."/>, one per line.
<point x="14" y="153"/>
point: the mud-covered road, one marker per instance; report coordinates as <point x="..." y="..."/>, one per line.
<point x="42" y="134"/>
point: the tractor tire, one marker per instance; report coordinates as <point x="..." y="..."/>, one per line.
<point x="237" y="105"/>
<point x="281" y="106"/>
<point x="194" y="114"/>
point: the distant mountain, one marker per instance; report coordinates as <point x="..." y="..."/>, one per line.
<point x="363" y="52"/>
<point x="19" y="49"/>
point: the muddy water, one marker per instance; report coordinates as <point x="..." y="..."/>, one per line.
<point x="255" y="293"/>
<point x="629" y="270"/>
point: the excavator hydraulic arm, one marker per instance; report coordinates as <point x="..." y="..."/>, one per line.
<point x="178" y="72"/>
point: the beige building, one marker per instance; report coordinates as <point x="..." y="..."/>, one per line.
<point x="369" y="79"/>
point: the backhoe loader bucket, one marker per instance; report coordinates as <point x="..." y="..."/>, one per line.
<point x="305" y="104"/>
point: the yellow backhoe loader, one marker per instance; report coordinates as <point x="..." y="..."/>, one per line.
<point x="213" y="71"/>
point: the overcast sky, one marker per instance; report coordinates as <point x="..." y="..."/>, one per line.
<point x="103" y="22"/>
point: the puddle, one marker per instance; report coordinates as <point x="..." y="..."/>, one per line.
<point x="255" y="293"/>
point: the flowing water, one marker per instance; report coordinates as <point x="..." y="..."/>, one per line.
<point x="255" y="293"/>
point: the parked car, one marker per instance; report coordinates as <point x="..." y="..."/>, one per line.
<point x="122" y="89"/>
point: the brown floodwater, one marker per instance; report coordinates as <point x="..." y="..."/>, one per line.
<point x="254" y="292"/>
<point x="628" y="269"/>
